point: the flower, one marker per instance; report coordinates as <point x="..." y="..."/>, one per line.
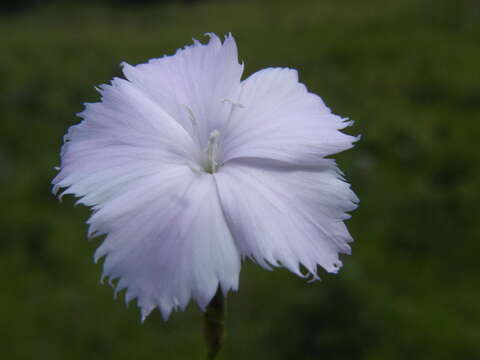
<point x="188" y="170"/>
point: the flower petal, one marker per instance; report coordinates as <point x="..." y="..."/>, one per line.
<point x="122" y="139"/>
<point x="169" y="243"/>
<point x="285" y="216"/>
<point x="279" y="119"/>
<point x="192" y="85"/>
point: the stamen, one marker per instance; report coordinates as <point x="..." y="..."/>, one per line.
<point x="194" y="167"/>
<point x="194" y="122"/>
<point x="235" y="105"/>
<point x="211" y="151"/>
<point x="192" y="117"/>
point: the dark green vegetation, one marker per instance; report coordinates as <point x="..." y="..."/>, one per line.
<point x="406" y="71"/>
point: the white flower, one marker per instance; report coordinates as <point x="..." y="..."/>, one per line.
<point x="188" y="170"/>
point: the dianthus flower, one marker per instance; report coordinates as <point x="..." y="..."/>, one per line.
<point x="188" y="170"/>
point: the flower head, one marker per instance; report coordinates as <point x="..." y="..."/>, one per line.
<point x="188" y="169"/>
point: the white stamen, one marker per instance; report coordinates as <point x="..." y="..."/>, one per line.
<point x="194" y="167"/>
<point x="191" y="116"/>
<point x="211" y="151"/>
<point x="233" y="103"/>
<point x="194" y="122"/>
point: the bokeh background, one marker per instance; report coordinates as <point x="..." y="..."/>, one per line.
<point x="406" y="71"/>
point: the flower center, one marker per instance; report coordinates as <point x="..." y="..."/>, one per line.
<point x="209" y="159"/>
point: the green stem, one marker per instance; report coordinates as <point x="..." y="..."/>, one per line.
<point x="215" y="325"/>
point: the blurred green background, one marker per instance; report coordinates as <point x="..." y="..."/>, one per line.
<point x="406" y="71"/>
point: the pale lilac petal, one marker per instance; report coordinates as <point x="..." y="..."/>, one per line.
<point x="168" y="243"/>
<point x="121" y="140"/>
<point x="193" y="84"/>
<point x="279" y="119"/>
<point x="287" y="216"/>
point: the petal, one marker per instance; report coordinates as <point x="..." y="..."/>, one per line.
<point x="122" y="139"/>
<point x="279" y="119"/>
<point x="192" y="85"/>
<point x="285" y="216"/>
<point x="168" y="243"/>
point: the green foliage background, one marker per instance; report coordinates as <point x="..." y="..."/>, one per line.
<point x="406" y="71"/>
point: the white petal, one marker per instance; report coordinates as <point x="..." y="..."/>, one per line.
<point x="193" y="84"/>
<point x="281" y="120"/>
<point x="285" y="216"/>
<point x="122" y="139"/>
<point x="168" y="243"/>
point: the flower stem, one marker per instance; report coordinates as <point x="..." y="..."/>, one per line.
<point x="215" y="325"/>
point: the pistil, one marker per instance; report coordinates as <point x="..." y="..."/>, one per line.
<point x="211" y="151"/>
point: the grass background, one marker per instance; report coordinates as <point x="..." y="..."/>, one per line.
<point x="406" y="71"/>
